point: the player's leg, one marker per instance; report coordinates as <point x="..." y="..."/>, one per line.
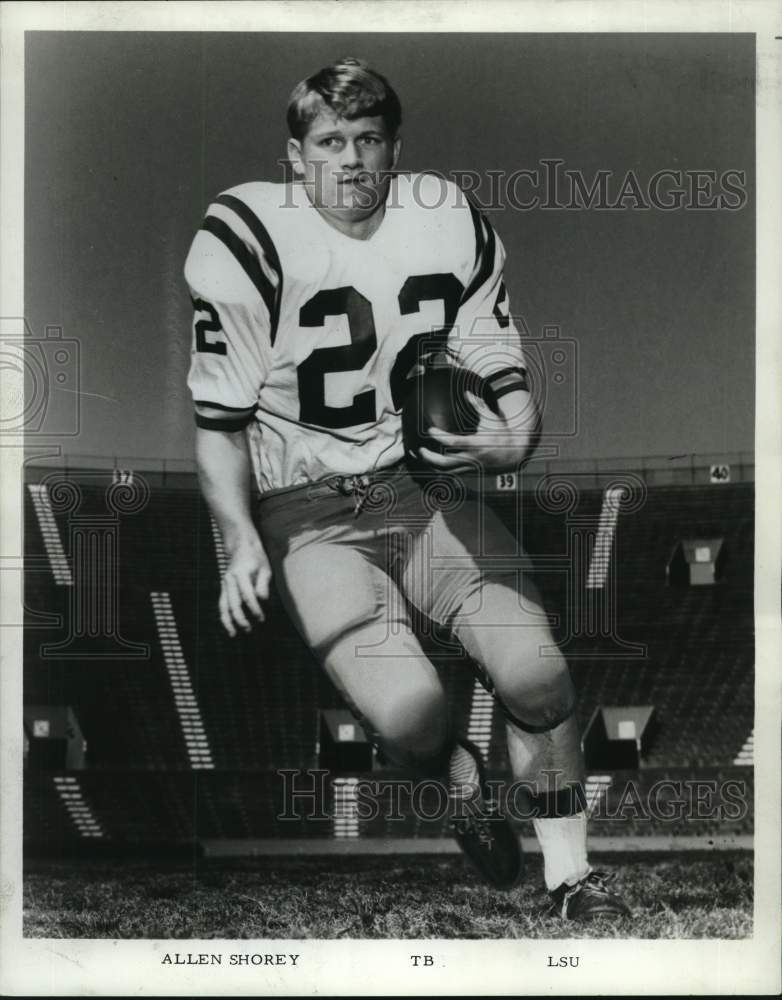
<point x="478" y="825"/>
<point x="510" y="640"/>
<point x="498" y="617"/>
<point x="354" y="619"/>
<point x="500" y="621"/>
<point x="506" y="633"/>
<point x="362" y="635"/>
<point x="351" y="615"/>
<point x="331" y="572"/>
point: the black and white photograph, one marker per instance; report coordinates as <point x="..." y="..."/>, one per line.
<point x="391" y="449"/>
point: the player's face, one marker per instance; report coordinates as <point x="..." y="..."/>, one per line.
<point x="345" y="164"/>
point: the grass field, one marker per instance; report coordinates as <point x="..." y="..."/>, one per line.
<point x="672" y="896"/>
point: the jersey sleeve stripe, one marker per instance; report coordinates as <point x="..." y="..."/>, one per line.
<point x="229" y="424"/>
<point x="220" y="406"/>
<point x="506" y="380"/>
<point x="513" y="386"/>
<point x="485" y="266"/>
<point x="504" y="372"/>
<point x="260" y="232"/>
<point x="245" y="257"/>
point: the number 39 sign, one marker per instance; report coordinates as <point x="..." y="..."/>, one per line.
<point x="506" y="481"/>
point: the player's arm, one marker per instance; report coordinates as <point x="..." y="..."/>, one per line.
<point x="485" y="340"/>
<point x="228" y="364"/>
<point x="224" y="473"/>
<point x="504" y="440"/>
<point x="508" y="430"/>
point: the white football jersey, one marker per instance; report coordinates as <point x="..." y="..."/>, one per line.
<point x="316" y="332"/>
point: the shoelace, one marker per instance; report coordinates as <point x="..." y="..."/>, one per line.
<point x="479" y="825"/>
<point x="596" y="879"/>
<point x="600" y="877"/>
<point x="356" y="486"/>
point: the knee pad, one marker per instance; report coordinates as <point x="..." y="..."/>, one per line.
<point x="554" y="717"/>
<point x="540" y="701"/>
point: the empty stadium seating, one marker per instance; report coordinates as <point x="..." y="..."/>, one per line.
<point x="687" y="651"/>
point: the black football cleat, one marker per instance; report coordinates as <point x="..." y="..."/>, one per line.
<point x="589" y="898"/>
<point x="485" y="835"/>
<point x="489" y="842"/>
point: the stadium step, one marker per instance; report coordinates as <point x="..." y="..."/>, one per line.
<point x="604" y="543"/>
<point x="345" y="808"/>
<point x="746" y="756"/>
<point x="78" y="809"/>
<point x="50" y="534"/>
<point x="595" y="787"/>
<point x="184" y="698"/>
<point x="222" y="559"/>
<point x="481" y="718"/>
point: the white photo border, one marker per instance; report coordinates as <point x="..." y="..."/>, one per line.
<point x="356" y="967"/>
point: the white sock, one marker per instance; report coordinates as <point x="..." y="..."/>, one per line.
<point x="564" y="844"/>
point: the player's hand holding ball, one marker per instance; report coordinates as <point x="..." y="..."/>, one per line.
<point x="246" y="582"/>
<point x="453" y="423"/>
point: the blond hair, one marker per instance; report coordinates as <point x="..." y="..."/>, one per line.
<point x="351" y="90"/>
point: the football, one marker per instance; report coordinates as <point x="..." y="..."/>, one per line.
<point x="436" y="398"/>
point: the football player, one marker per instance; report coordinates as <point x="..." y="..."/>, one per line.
<point x="314" y="301"/>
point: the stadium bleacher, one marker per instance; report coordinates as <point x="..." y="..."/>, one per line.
<point x="687" y="651"/>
